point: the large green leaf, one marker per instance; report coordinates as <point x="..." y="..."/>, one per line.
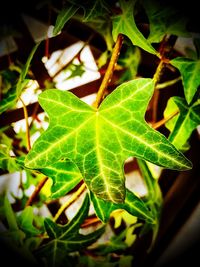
<point x="190" y="70"/>
<point x="65" y="175"/>
<point x="164" y="19"/>
<point x="185" y="123"/>
<point x="99" y="141"/>
<point x="125" y="24"/>
<point x="65" y="239"/>
<point x="133" y="204"/>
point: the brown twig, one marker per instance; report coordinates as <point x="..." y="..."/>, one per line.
<point x="36" y="191"/>
<point x="90" y="221"/>
<point x="70" y="201"/>
<point x="164" y="120"/>
<point x="109" y="72"/>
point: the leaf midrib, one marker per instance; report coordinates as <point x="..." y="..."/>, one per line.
<point x="99" y="158"/>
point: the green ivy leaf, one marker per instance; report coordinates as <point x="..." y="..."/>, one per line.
<point x="65" y="175"/>
<point x="22" y="77"/>
<point x="14" y="236"/>
<point x="189" y="70"/>
<point x="64" y="15"/>
<point x="130" y="62"/>
<point x="65" y="239"/>
<point x="186" y="121"/>
<point x="133" y="204"/>
<point x="99" y="141"/>
<point x="164" y="19"/>
<point x="125" y="24"/>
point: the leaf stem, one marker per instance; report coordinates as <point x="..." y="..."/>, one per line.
<point x="158" y="72"/>
<point x="36" y="191"/>
<point x="164" y="120"/>
<point x="70" y="201"/>
<point x="168" y="83"/>
<point x="109" y="72"/>
<point x="90" y="221"/>
<point x="27" y="125"/>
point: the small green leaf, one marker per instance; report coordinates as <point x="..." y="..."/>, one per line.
<point x="65" y="175"/>
<point x="11" y="97"/>
<point x="133" y="204"/>
<point x="99" y="141"/>
<point x="186" y="122"/>
<point x="7" y="163"/>
<point x="189" y="70"/>
<point x="22" y="78"/>
<point x="25" y="222"/>
<point x="125" y="24"/>
<point x="65" y="239"/>
<point x="64" y="15"/>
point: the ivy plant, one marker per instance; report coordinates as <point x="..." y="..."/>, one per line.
<point x="80" y="157"/>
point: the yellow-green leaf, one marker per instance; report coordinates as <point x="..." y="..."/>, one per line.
<point x="99" y="141"/>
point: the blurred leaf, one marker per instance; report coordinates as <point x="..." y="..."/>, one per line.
<point x="10" y="215"/>
<point x="154" y="200"/>
<point x="189" y="70"/>
<point x="10" y="98"/>
<point x="164" y="19"/>
<point x="126" y="261"/>
<point x="130" y="61"/>
<point x="92" y="9"/>
<point x="123" y="215"/>
<point x="125" y="24"/>
<point x="64" y="15"/>
<point x="26" y="220"/>
<point x="7" y="163"/>
<point x="154" y="193"/>
<point x="196" y="42"/>
<point x="115" y="244"/>
<point x="130" y="235"/>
